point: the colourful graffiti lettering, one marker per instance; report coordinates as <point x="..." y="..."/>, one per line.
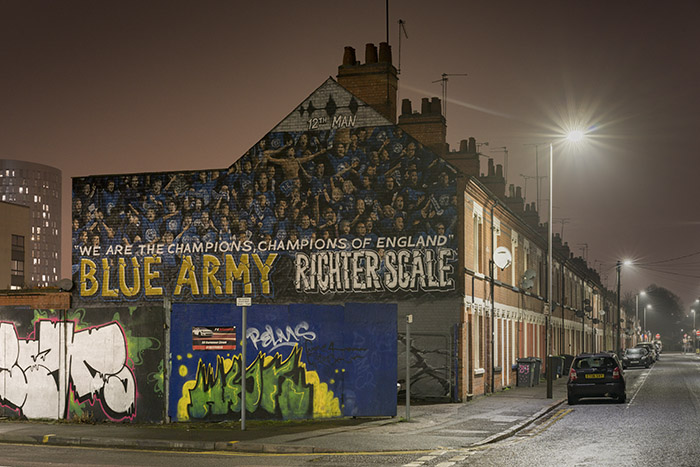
<point x="276" y="389"/>
<point x="46" y="371"/>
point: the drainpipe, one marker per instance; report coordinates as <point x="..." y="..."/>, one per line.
<point x="493" y="300"/>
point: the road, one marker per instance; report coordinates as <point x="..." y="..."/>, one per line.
<point x="659" y="425"/>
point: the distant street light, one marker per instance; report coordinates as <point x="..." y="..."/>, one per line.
<point x="694" y="331"/>
<point x="648" y="307"/>
<point x="618" y="266"/>
<point x="637" y="310"/>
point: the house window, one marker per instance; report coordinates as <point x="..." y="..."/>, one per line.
<point x="477" y="231"/>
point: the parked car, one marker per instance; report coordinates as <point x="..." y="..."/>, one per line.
<point x="637" y="356"/>
<point x="596" y="375"/>
<point x="651" y="348"/>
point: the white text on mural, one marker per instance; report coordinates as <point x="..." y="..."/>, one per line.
<point x="374" y="271"/>
<point x="271" y="339"/>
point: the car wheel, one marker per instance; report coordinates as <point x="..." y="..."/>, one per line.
<point x="646" y="366"/>
<point x="622" y="398"/>
<point x="572" y="400"/>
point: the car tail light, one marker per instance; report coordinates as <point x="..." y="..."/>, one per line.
<point x="572" y="375"/>
<point x="616" y="373"/>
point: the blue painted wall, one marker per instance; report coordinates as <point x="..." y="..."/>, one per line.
<point x="303" y="361"/>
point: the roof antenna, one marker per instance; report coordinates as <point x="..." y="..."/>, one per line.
<point x="402" y="28"/>
<point x="443" y="80"/>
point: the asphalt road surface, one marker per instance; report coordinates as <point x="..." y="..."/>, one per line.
<point x="659" y="425"/>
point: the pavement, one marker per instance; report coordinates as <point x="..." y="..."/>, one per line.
<point x="483" y="420"/>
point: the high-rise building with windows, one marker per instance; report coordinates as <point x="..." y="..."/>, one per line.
<point x="37" y="186"/>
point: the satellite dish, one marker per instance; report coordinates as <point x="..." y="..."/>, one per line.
<point x="527" y="284"/>
<point x="529" y="274"/>
<point x="65" y="285"/>
<point x="502" y="257"/>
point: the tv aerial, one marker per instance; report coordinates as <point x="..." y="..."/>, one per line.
<point x="443" y="81"/>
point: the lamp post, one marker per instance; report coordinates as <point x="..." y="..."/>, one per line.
<point x="645" y="318"/>
<point x="548" y="318"/>
<point x="641" y="292"/>
<point x="694" y="332"/>
<point x="573" y="136"/>
<point x="618" y="266"/>
<point x="618" y="324"/>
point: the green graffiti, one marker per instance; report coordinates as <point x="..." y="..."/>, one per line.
<point x="275" y="387"/>
<point x="158" y="379"/>
<point x="76" y="315"/>
<point x="137" y="345"/>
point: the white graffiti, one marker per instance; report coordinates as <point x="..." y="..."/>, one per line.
<point x="272" y="339"/>
<point x="36" y="374"/>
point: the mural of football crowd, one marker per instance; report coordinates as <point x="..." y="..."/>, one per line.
<point x="338" y="211"/>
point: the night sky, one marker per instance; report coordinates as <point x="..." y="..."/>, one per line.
<point x="130" y="86"/>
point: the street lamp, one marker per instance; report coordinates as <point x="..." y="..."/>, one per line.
<point x="641" y="292"/>
<point x="618" y="266"/>
<point x="648" y="307"/>
<point x="694" y="331"/>
<point x="572" y="136"/>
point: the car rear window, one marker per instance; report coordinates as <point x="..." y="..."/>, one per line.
<point x="636" y="351"/>
<point x="594" y="362"/>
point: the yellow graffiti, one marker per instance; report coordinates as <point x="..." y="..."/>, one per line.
<point x="282" y="388"/>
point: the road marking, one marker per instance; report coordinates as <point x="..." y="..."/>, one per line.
<point x="47" y="437"/>
<point x="445" y="464"/>
<point x="642" y="380"/>
<point x="538" y="429"/>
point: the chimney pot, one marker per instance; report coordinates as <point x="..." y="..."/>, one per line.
<point x="349" y="57"/>
<point x="492" y="171"/>
<point x="435" y="106"/>
<point x="499" y="170"/>
<point x="370" y="53"/>
<point x="425" y="106"/>
<point x="463" y="145"/>
<point x="384" y="52"/>
<point x="518" y="192"/>
<point x="406" y="107"/>
<point x="472" y="145"/>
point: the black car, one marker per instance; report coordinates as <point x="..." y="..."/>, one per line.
<point x="596" y="375"/>
<point x="637" y="356"/>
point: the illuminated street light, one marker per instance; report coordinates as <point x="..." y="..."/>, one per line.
<point x="648" y="307"/>
<point x="572" y="136"/>
<point x="618" y="266"/>
<point x="642" y="293"/>
<point x="694" y="331"/>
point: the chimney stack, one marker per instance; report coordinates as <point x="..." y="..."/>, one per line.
<point x="466" y="159"/>
<point x="494" y="180"/>
<point x="375" y="81"/>
<point x="428" y="126"/>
